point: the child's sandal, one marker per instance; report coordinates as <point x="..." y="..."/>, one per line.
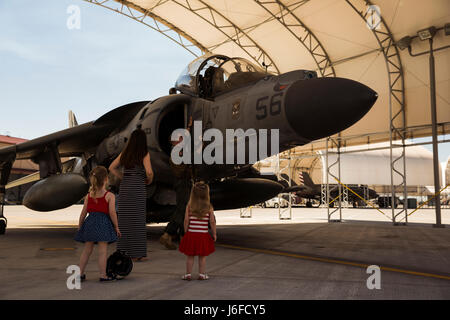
<point x="187" y="277"/>
<point x="203" y="276"/>
<point x="106" y="279"/>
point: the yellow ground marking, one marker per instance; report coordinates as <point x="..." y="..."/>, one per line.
<point x="335" y="261"/>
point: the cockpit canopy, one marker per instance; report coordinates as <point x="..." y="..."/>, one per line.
<point x="212" y="75"/>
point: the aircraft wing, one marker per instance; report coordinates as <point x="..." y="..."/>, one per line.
<point x="76" y="140"/>
<point x="70" y="142"/>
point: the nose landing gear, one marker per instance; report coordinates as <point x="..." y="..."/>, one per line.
<point x="3" y="223"/>
<point x="5" y="170"/>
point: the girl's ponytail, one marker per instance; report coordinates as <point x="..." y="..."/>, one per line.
<point x="199" y="201"/>
<point x="97" y="178"/>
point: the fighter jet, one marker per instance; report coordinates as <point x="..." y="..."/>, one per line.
<point x="215" y="91"/>
<point x="307" y="189"/>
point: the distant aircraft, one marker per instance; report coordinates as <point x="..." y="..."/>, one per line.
<point x="223" y="93"/>
<point x="307" y="189"/>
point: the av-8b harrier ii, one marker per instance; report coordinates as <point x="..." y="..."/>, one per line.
<point x="219" y="93"/>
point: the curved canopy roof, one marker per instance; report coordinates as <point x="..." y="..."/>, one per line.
<point x="346" y="38"/>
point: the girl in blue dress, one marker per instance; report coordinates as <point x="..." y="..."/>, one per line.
<point x="100" y="226"/>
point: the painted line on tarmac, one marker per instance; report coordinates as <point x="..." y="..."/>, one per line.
<point x="335" y="261"/>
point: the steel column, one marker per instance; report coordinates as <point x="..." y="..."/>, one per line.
<point x="437" y="185"/>
<point x="282" y="211"/>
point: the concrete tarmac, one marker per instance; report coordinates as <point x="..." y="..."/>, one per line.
<point x="256" y="258"/>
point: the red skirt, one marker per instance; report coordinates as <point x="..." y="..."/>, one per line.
<point x="197" y="244"/>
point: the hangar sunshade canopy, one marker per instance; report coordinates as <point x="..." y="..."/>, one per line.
<point x="353" y="39"/>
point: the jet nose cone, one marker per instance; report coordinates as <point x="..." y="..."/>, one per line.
<point x="321" y="107"/>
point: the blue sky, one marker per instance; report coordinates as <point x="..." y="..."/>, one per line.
<point x="47" y="69"/>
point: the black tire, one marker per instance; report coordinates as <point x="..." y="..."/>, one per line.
<point x="276" y="205"/>
<point x="309" y="204"/>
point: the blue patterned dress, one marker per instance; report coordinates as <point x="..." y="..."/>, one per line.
<point x="97" y="227"/>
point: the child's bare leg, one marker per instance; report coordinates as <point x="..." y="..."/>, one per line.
<point x="202" y="264"/>
<point x="189" y="264"/>
<point x="88" y="246"/>
<point x="102" y="252"/>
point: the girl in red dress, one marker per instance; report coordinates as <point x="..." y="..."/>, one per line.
<point x="197" y="241"/>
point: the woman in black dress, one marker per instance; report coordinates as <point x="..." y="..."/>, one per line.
<point x="137" y="172"/>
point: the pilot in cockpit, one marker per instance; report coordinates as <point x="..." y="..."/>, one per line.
<point x="213" y="81"/>
<point x="218" y="81"/>
<point x="206" y="82"/>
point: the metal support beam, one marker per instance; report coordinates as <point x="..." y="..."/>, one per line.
<point x="323" y="194"/>
<point x="366" y="193"/>
<point x="328" y="173"/>
<point x="283" y="13"/>
<point x="285" y="213"/>
<point x="153" y="21"/>
<point x="345" y="197"/>
<point x="385" y="39"/>
<point x="388" y="147"/>
<point x="230" y="30"/>
<point x="204" y="11"/>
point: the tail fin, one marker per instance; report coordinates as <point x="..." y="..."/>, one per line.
<point x="72" y="120"/>
<point x="305" y="179"/>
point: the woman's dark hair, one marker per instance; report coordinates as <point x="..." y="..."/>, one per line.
<point x="135" y="150"/>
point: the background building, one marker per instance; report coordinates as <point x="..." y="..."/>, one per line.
<point x="362" y="167"/>
<point x="20" y="169"/>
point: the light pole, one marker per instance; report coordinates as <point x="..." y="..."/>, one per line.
<point x="405" y="42"/>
